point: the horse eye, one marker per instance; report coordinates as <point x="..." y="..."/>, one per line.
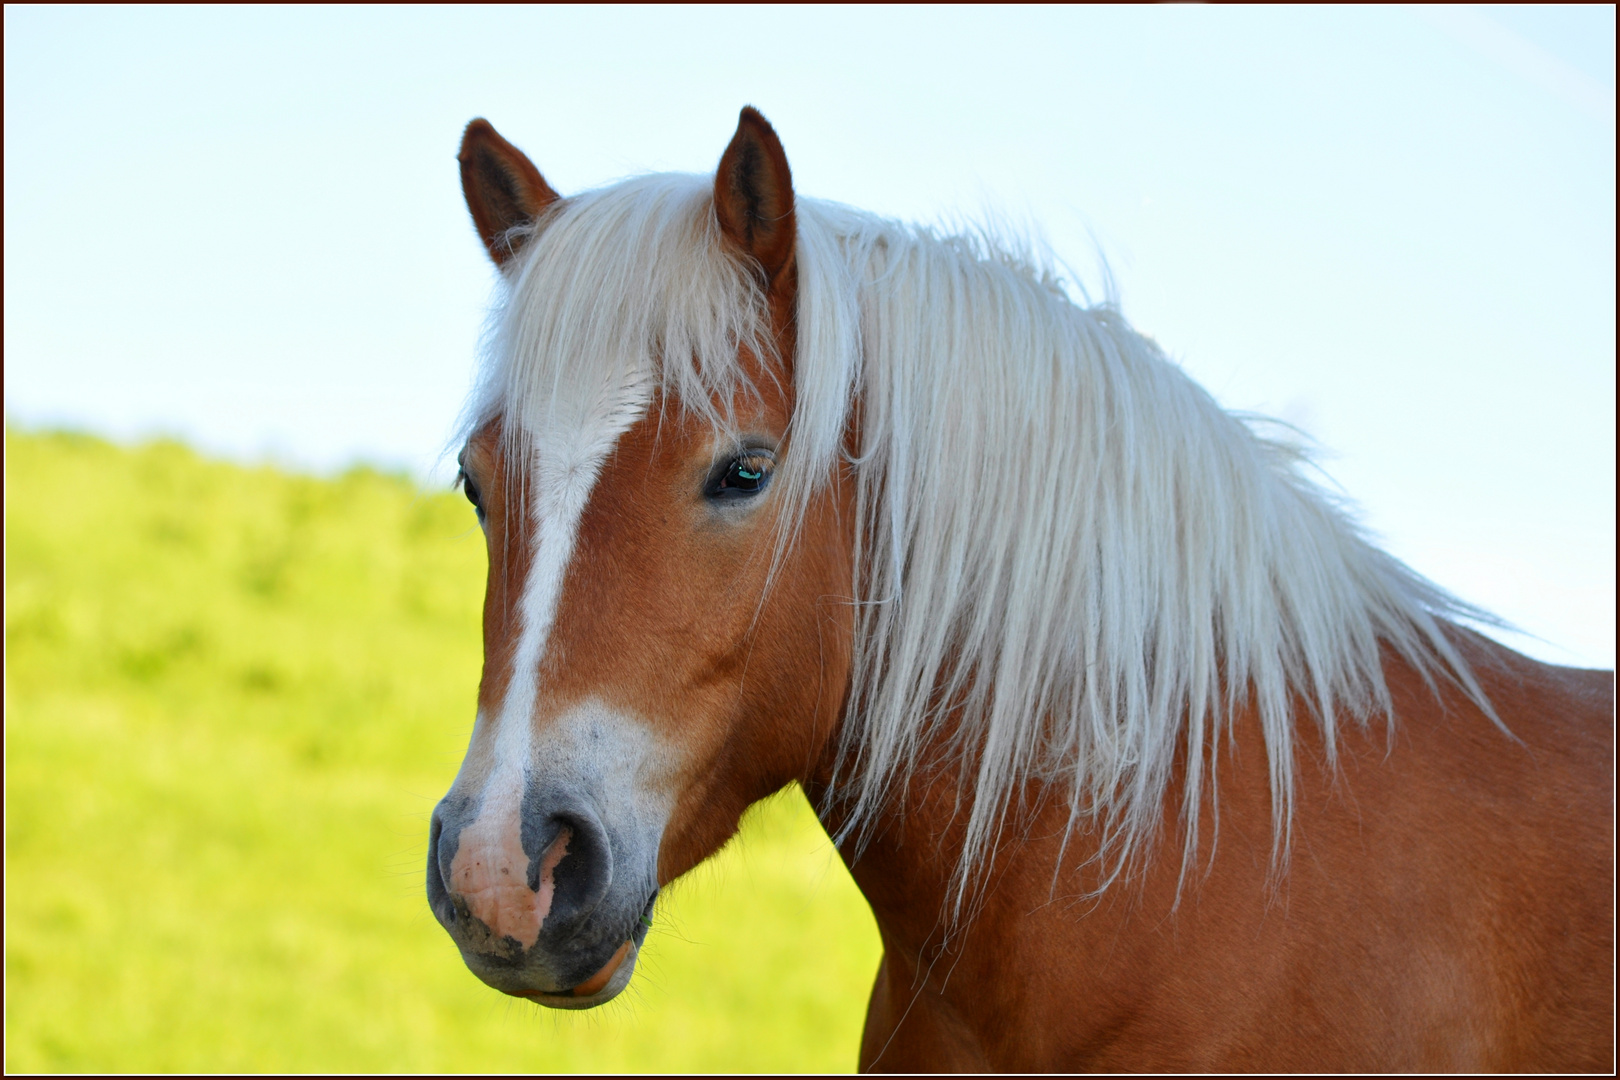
<point x="742" y="476"/>
<point x="470" y="489"/>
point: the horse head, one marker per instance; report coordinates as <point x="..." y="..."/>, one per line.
<point x="641" y="684"/>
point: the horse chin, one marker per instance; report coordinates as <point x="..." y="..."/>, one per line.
<point x="535" y="976"/>
<point x="601" y="987"/>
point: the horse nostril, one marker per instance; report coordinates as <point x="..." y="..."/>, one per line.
<point x="438" y="891"/>
<point x="569" y="849"/>
<point x="544" y="862"/>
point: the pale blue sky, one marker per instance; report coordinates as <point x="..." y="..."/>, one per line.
<point x="1393" y="227"/>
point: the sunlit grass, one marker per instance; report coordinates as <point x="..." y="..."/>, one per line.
<point x="232" y="699"/>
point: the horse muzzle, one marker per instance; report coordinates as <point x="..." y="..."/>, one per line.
<point x="542" y="899"/>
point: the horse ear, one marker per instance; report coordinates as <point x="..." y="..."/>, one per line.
<point x="503" y="188"/>
<point x="753" y="195"/>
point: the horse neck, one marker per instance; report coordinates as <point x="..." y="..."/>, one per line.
<point x="1047" y="869"/>
<point x="906" y="864"/>
<point x="1037" y="920"/>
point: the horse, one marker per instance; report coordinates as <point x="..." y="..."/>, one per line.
<point x="1144" y="757"/>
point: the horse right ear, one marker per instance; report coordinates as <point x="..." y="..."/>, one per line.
<point x="503" y="188"/>
<point x="753" y="195"/>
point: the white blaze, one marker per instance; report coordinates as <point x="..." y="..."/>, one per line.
<point x="565" y="462"/>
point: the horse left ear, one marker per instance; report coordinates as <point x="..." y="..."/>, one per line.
<point x="503" y="189"/>
<point x="753" y="195"/>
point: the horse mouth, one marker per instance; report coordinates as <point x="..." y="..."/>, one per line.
<point x="611" y="978"/>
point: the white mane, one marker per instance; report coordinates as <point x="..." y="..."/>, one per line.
<point x="1070" y="551"/>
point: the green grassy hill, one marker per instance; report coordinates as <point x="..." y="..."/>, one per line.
<point x="232" y="698"/>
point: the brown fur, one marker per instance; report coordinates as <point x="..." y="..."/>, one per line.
<point x="1447" y="907"/>
<point x="753" y="195"/>
<point x="504" y="190"/>
<point x="1448" y="900"/>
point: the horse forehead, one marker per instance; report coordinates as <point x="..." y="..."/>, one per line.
<point x="566" y="436"/>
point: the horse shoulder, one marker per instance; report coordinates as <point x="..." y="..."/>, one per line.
<point x="1444" y="904"/>
<point x="1450" y="884"/>
<point x="1533" y="827"/>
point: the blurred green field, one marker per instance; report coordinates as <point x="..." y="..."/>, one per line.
<point x="232" y="698"/>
